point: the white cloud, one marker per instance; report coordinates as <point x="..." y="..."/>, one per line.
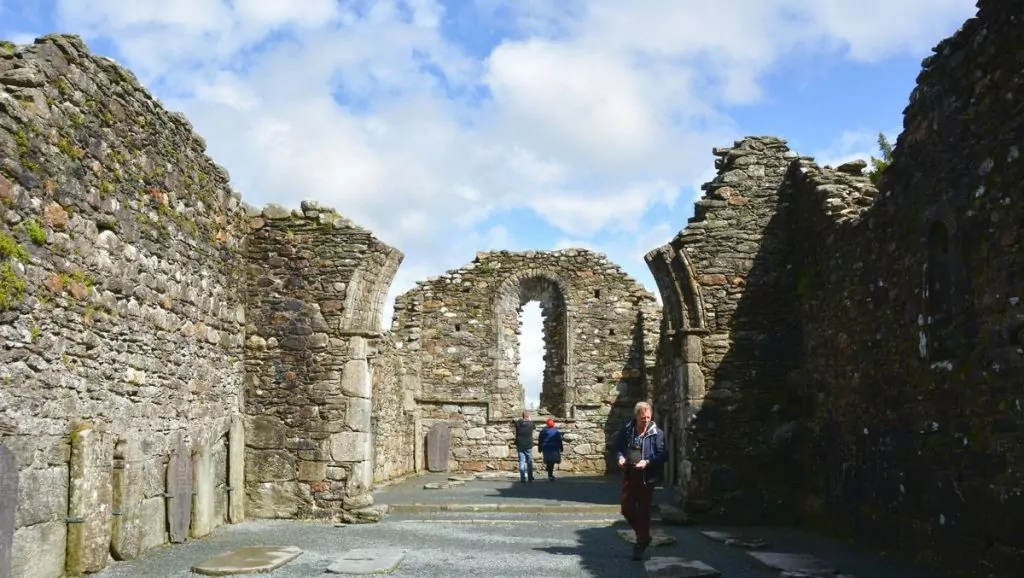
<point x="594" y="114"/>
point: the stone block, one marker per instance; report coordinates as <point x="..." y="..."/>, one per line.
<point x="179" y="492"/>
<point x="312" y="471"/>
<point x="694" y="382"/>
<point x="269" y="466"/>
<point x="355" y="378"/>
<point x="204" y="501"/>
<point x="357" y="414"/>
<point x="39" y="550"/>
<point x="9" y="500"/>
<point x="350" y="446"/>
<point x="498" y="452"/>
<point x="89" y="501"/>
<point x="236" y="470"/>
<point x="357" y="347"/>
<point x="274" y="500"/>
<point x="360" y="478"/>
<point x="265" y="433"/>
<point x="126" y="525"/>
<point x="693" y="351"/>
<point x="153" y="529"/>
<point x="42" y="496"/>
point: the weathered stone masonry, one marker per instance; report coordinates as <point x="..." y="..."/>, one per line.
<point x="459" y="333"/>
<point x="122" y="315"/>
<point x="896" y="419"/>
<point x="731" y="329"/>
<point x="316" y="289"/>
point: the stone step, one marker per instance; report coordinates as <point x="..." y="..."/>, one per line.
<point x="671" y="567"/>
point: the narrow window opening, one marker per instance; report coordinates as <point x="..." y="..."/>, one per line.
<point x="597" y="293"/>
<point x="458" y="327"/>
<point x="611" y="332"/>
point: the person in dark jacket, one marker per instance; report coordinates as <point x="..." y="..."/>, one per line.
<point x="549" y="441"/>
<point x="524" y="446"/>
<point x="641" y="454"/>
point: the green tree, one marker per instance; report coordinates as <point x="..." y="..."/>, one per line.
<point x="878" y="166"/>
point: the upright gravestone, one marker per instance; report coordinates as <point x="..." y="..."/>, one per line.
<point x="179" y="492"/>
<point x="439" y="447"/>
<point x="8" y="507"/>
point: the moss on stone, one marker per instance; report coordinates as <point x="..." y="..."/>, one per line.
<point x="12" y="287"/>
<point x="35" y="231"/>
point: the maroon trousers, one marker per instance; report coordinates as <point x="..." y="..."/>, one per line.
<point x="635" y="499"/>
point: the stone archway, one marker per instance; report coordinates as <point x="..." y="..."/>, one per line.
<point x="557" y="393"/>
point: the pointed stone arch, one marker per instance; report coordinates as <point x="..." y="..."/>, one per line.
<point x="553" y="293"/>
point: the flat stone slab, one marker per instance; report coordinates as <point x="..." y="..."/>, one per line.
<point x="458" y="478"/>
<point x="666" y="567"/>
<point x="738" y="541"/>
<point x="658" y="538"/>
<point x="254" y="560"/>
<point x="796" y="563"/>
<point x="497" y="476"/>
<point x="441" y="485"/>
<point x="368" y="561"/>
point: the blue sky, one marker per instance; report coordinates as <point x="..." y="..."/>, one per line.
<point x="452" y="127"/>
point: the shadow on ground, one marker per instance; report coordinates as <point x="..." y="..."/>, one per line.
<point x="565" y="490"/>
<point x="599" y="490"/>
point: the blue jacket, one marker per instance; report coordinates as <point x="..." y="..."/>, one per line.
<point x="652" y="446"/>
<point x="549" y="441"/>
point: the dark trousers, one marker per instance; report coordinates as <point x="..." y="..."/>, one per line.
<point x="636" y="498"/>
<point x="551" y="469"/>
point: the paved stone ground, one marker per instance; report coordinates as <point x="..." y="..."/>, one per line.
<point x="500" y="544"/>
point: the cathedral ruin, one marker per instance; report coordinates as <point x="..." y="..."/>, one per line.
<point x="826" y="351"/>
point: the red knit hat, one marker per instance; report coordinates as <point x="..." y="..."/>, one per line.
<point x="551" y="422"/>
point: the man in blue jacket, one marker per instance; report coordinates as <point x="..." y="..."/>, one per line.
<point x="640" y="450"/>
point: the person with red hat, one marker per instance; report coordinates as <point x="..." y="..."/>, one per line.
<point x="549" y="442"/>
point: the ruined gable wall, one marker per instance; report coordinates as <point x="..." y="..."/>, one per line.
<point x="121" y="308"/>
<point x="732" y="338"/>
<point x="918" y="449"/>
<point x="459" y="334"/>
<point x="315" y="290"/>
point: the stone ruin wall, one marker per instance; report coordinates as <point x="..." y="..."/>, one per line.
<point x="897" y="422"/>
<point x="914" y="348"/>
<point x="121" y="315"/>
<point x="394" y="410"/>
<point x="732" y="334"/>
<point x="316" y="291"/>
<point x="600" y="328"/>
